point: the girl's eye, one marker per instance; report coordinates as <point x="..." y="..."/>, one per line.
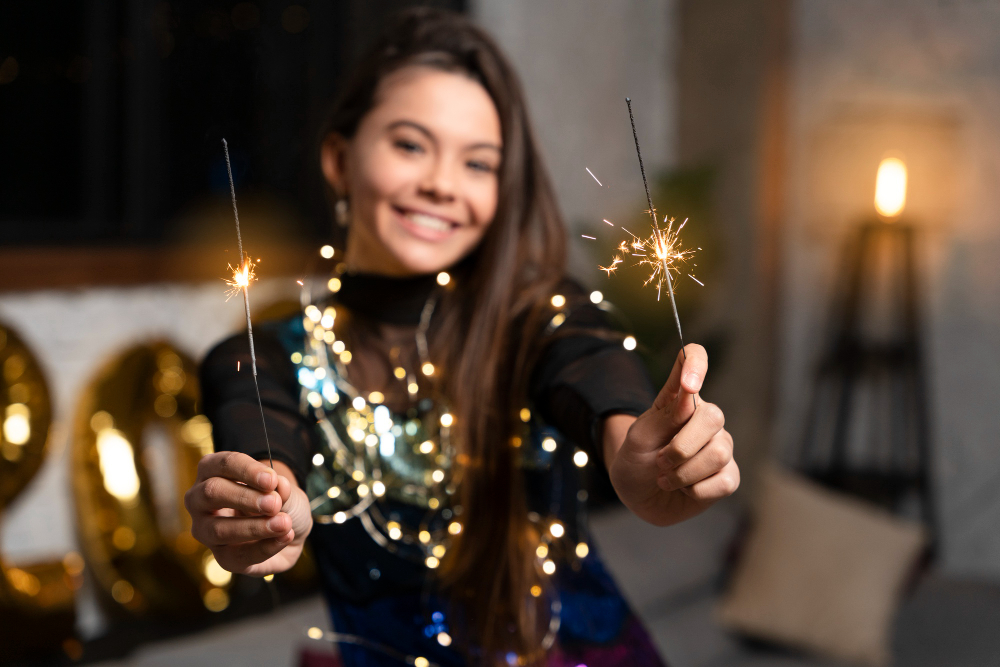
<point x="408" y="146"/>
<point x="478" y="165"/>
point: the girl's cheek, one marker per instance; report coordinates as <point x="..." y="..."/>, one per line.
<point x="485" y="206"/>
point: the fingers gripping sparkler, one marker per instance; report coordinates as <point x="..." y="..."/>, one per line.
<point x="662" y="242"/>
<point x="243" y="275"/>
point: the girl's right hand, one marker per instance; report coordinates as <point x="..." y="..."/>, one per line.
<point x="254" y="519"/>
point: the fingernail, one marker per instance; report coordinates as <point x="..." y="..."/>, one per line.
<point x="267" y="503"/>
<point x="693" y="380"/>
<point x="264" y="480"/>
<point x="274" y="523"/>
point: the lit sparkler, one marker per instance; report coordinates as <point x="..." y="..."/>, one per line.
<point x="661" y="251"/>
<point x="243" y="275"/>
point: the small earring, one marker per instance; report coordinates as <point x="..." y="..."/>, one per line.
<point x="342" y="212"/>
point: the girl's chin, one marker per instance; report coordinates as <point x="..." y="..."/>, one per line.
<point x="418" y="264"/>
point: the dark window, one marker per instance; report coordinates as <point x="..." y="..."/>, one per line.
<point x="112" y="114"/>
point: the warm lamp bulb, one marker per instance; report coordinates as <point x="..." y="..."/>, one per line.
<point x="890" y="187"/>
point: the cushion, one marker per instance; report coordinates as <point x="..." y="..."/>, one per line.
<point x="821" y="571"/>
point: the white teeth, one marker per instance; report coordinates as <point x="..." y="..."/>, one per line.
<point x="429" y="222"/>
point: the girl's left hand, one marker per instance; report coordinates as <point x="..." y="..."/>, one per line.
<point x="676" y="460"/>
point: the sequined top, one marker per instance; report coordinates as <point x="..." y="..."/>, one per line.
<point x="319" y="426"/>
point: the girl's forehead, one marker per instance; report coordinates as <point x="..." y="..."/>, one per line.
<point x="451" y="103"/>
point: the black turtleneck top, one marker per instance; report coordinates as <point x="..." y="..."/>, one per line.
<point x="580" y="377"/>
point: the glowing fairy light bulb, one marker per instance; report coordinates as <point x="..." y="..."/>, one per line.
<point x="890" y="187"/>
<point x="216" y="575"/>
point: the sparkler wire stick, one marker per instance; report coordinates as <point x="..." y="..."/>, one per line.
<point x="659" y="235"/>
<point x="246" y="301"/>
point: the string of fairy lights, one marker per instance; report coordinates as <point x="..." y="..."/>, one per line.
<point x="373" y="459"/>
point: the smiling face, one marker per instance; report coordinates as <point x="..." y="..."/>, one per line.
<point x="420" y="173"/>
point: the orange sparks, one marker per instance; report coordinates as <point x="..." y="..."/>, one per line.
<point x="243" y="275"/>
<point x="611" y="269"/>
<point x="661" y="252"/>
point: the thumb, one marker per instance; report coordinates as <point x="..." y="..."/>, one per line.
<point x="284" y="489"/>
<point x="686" y="378"/>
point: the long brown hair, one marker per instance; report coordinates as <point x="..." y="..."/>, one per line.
<point x="486" y="329"/>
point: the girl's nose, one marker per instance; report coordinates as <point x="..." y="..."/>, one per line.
<point x="439" y="183"/>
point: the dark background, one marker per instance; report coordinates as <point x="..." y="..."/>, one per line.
<point x="113" y="114"/>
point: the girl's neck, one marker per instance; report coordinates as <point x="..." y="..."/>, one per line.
<point x="387" y="299"/>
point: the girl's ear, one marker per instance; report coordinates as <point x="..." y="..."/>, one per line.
<point x="333" y="160"/>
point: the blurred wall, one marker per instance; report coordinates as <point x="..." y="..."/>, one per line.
<point x="578" y="60"/>
<point x="731" y="122"/>
<point x="921" y="77"/>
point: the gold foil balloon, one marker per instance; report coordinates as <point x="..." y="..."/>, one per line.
<point x="36" y="600"/>
<point x="138" y="439"/>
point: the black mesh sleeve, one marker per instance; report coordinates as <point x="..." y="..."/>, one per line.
<point x="585" y="375"/>
<point x="230" y="402"/>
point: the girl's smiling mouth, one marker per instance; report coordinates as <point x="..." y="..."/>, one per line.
<point x="425" y="226"/>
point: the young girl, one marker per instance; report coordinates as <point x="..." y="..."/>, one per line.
<point x="430" y="414"/>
